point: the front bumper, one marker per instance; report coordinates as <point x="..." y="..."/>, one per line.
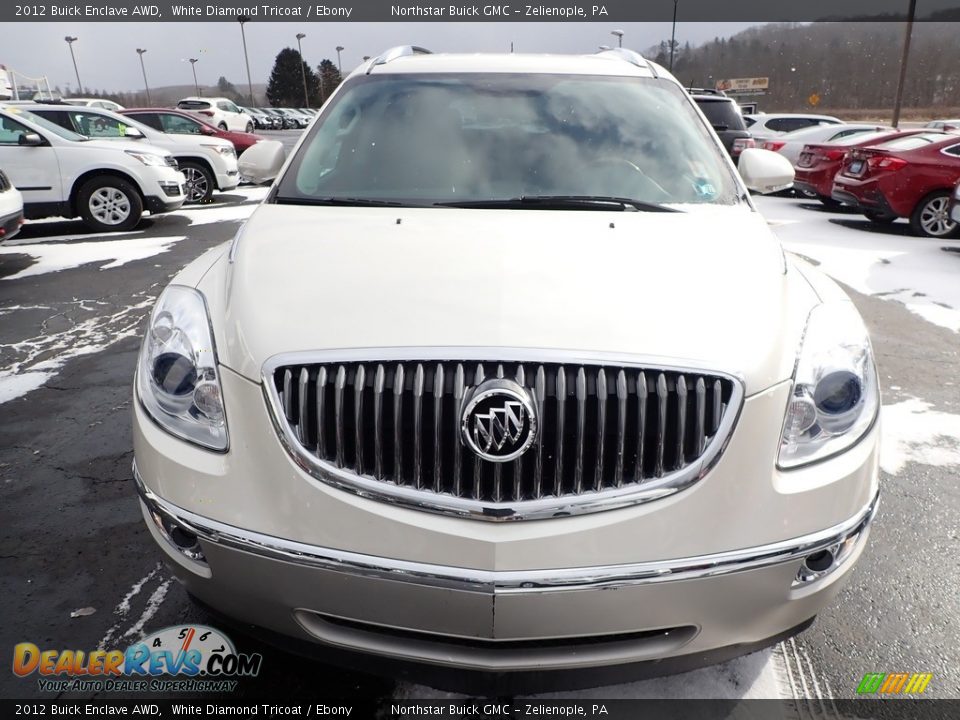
<point x="502" y="621"/>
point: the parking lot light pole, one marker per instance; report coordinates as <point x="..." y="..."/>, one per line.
<point x="193" y="66"/>
<point x="339" y="66"/>
<point x="673" y="33"/>
<point x="303" y="71"/>
<point x="618" y="34"/>
<point x="70" y="41"/>
<point x="140" y="52"/>
<point x="911" y="12"/>
<point x="243" y="19"/>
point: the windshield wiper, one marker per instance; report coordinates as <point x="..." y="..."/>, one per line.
<point x="562" y="202"/>
<point x="347" y="201"/>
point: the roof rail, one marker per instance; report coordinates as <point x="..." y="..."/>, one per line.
<point x="706" y="91"/>
<point x="397" y="52"/>
<point x="631" y="56"/>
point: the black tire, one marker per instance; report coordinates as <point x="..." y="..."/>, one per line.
<point x="222" y="126"/>
<point x="828" y="201"/>
<point x="200" y="181"/>
<point x="107" y="203"/>
<point x="930" y="217"/>
<point x="249" y="127"/>
<point x="881" y="218"/>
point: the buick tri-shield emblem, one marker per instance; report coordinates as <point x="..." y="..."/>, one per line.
<point x="498" y="420"/>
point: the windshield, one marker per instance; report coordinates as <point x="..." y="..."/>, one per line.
<point x="51" y="127"/>
<point x="428" y="139"/>
<point x="912" y="142"/>
<point x="860" y="138"/>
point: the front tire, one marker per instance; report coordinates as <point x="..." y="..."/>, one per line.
<point x="109" y="204"/>
<point x="222" y="126"/>
<point x="200" y="181"/>
<point x="249" y="127"/>
<point x="930" y="218"/>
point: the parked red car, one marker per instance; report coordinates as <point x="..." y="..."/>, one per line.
<point x="179" y="122"/>
<point x="819" y="163"/>
<point x="911" y="177"/>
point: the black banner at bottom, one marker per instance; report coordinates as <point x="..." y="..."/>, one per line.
<point x="385" y="709"/>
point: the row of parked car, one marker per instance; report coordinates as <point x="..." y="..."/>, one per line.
<point x="883" y="172"/>
<point x="107" y="164"/>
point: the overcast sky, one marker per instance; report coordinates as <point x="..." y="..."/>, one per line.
<point x="107" y="59"/>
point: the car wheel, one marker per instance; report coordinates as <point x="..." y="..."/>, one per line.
<point x="807" y="194"/>
<point x="879" y="217"/>
<point x="931" y="216"/>
<point x="109" y="204"/>
<point x="222" y="126"/>
<point x="249" y="127"/>
<point x="200" y="182"/>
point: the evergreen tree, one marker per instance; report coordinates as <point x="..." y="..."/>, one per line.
<point x="329" y="77"/>
<point x="285" y="87"/>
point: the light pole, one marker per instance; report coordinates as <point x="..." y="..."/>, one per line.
<point x="339" y="66"/>
<point x="903" y="63"/>
<point x="193" y="66"/>
<point x="618" y="34"/>
<point x="140" y="52"/>
<point x="70" y="41"/>
<point x="673" y="33"/>
<point x="243" y="19"/>
<point x="303" y="70"/>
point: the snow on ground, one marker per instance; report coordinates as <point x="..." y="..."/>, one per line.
<point x="40" y="358"/>
<point x="913" y="432"/>
<point x="54" y="257"/>
<point x="887" y="262"/>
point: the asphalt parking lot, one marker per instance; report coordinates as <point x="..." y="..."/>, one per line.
<point x="72" y="539"/>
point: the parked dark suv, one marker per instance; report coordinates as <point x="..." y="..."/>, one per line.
<point x="724" y="114"/>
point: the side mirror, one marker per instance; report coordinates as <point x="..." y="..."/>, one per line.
<point x="30" y="139"/>
<point x="262" y="162"/>
<point x="133" y="132"/>
<point x="764" y="171"/>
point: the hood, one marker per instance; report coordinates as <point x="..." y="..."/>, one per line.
<point x="124" y="145"/>
<point x="706" y="287"/>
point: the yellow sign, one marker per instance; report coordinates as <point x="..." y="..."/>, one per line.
<point x="814" y="100"/>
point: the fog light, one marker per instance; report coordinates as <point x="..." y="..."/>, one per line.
<point x="819" y="561"/>
<point x="179" y="537"/>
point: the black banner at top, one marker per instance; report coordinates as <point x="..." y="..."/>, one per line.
<point x="606" y="11"/>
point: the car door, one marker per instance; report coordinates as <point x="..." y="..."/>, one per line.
<point x="34" y="170"/>
<point x="235" y="120"/>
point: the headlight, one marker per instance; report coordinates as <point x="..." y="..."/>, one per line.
<point x="835" y="395"/>
<point x="226" y="150"/>
<point x="177" y="379"/>
<point x="151" y="159"/>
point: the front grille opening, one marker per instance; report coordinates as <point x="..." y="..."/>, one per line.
<point x="679" y="634"/>
<point x="600" y="427"/>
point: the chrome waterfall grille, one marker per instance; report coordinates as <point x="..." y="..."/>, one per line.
<point x="605" y="435"/>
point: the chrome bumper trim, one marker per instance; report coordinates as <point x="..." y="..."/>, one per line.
<point x="506" y="582"/>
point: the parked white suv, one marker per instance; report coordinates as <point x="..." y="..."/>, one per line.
<point x="553" y="398"/>
<point x="207" y="163"/>
<point x="763" y="126"/>
<point x="11" y="208"/>
<point x="220" y="112"/>
<point x="107" y="184"/>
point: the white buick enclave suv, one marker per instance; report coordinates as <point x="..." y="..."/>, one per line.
<point x="508" y="374"/>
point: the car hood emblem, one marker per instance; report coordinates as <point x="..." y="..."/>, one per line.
<point x="498" y="420"/>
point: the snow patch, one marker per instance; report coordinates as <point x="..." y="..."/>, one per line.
<point x="62" y="256"/>
<point x="41" y="357"/>
<point x="912" y="432"/>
